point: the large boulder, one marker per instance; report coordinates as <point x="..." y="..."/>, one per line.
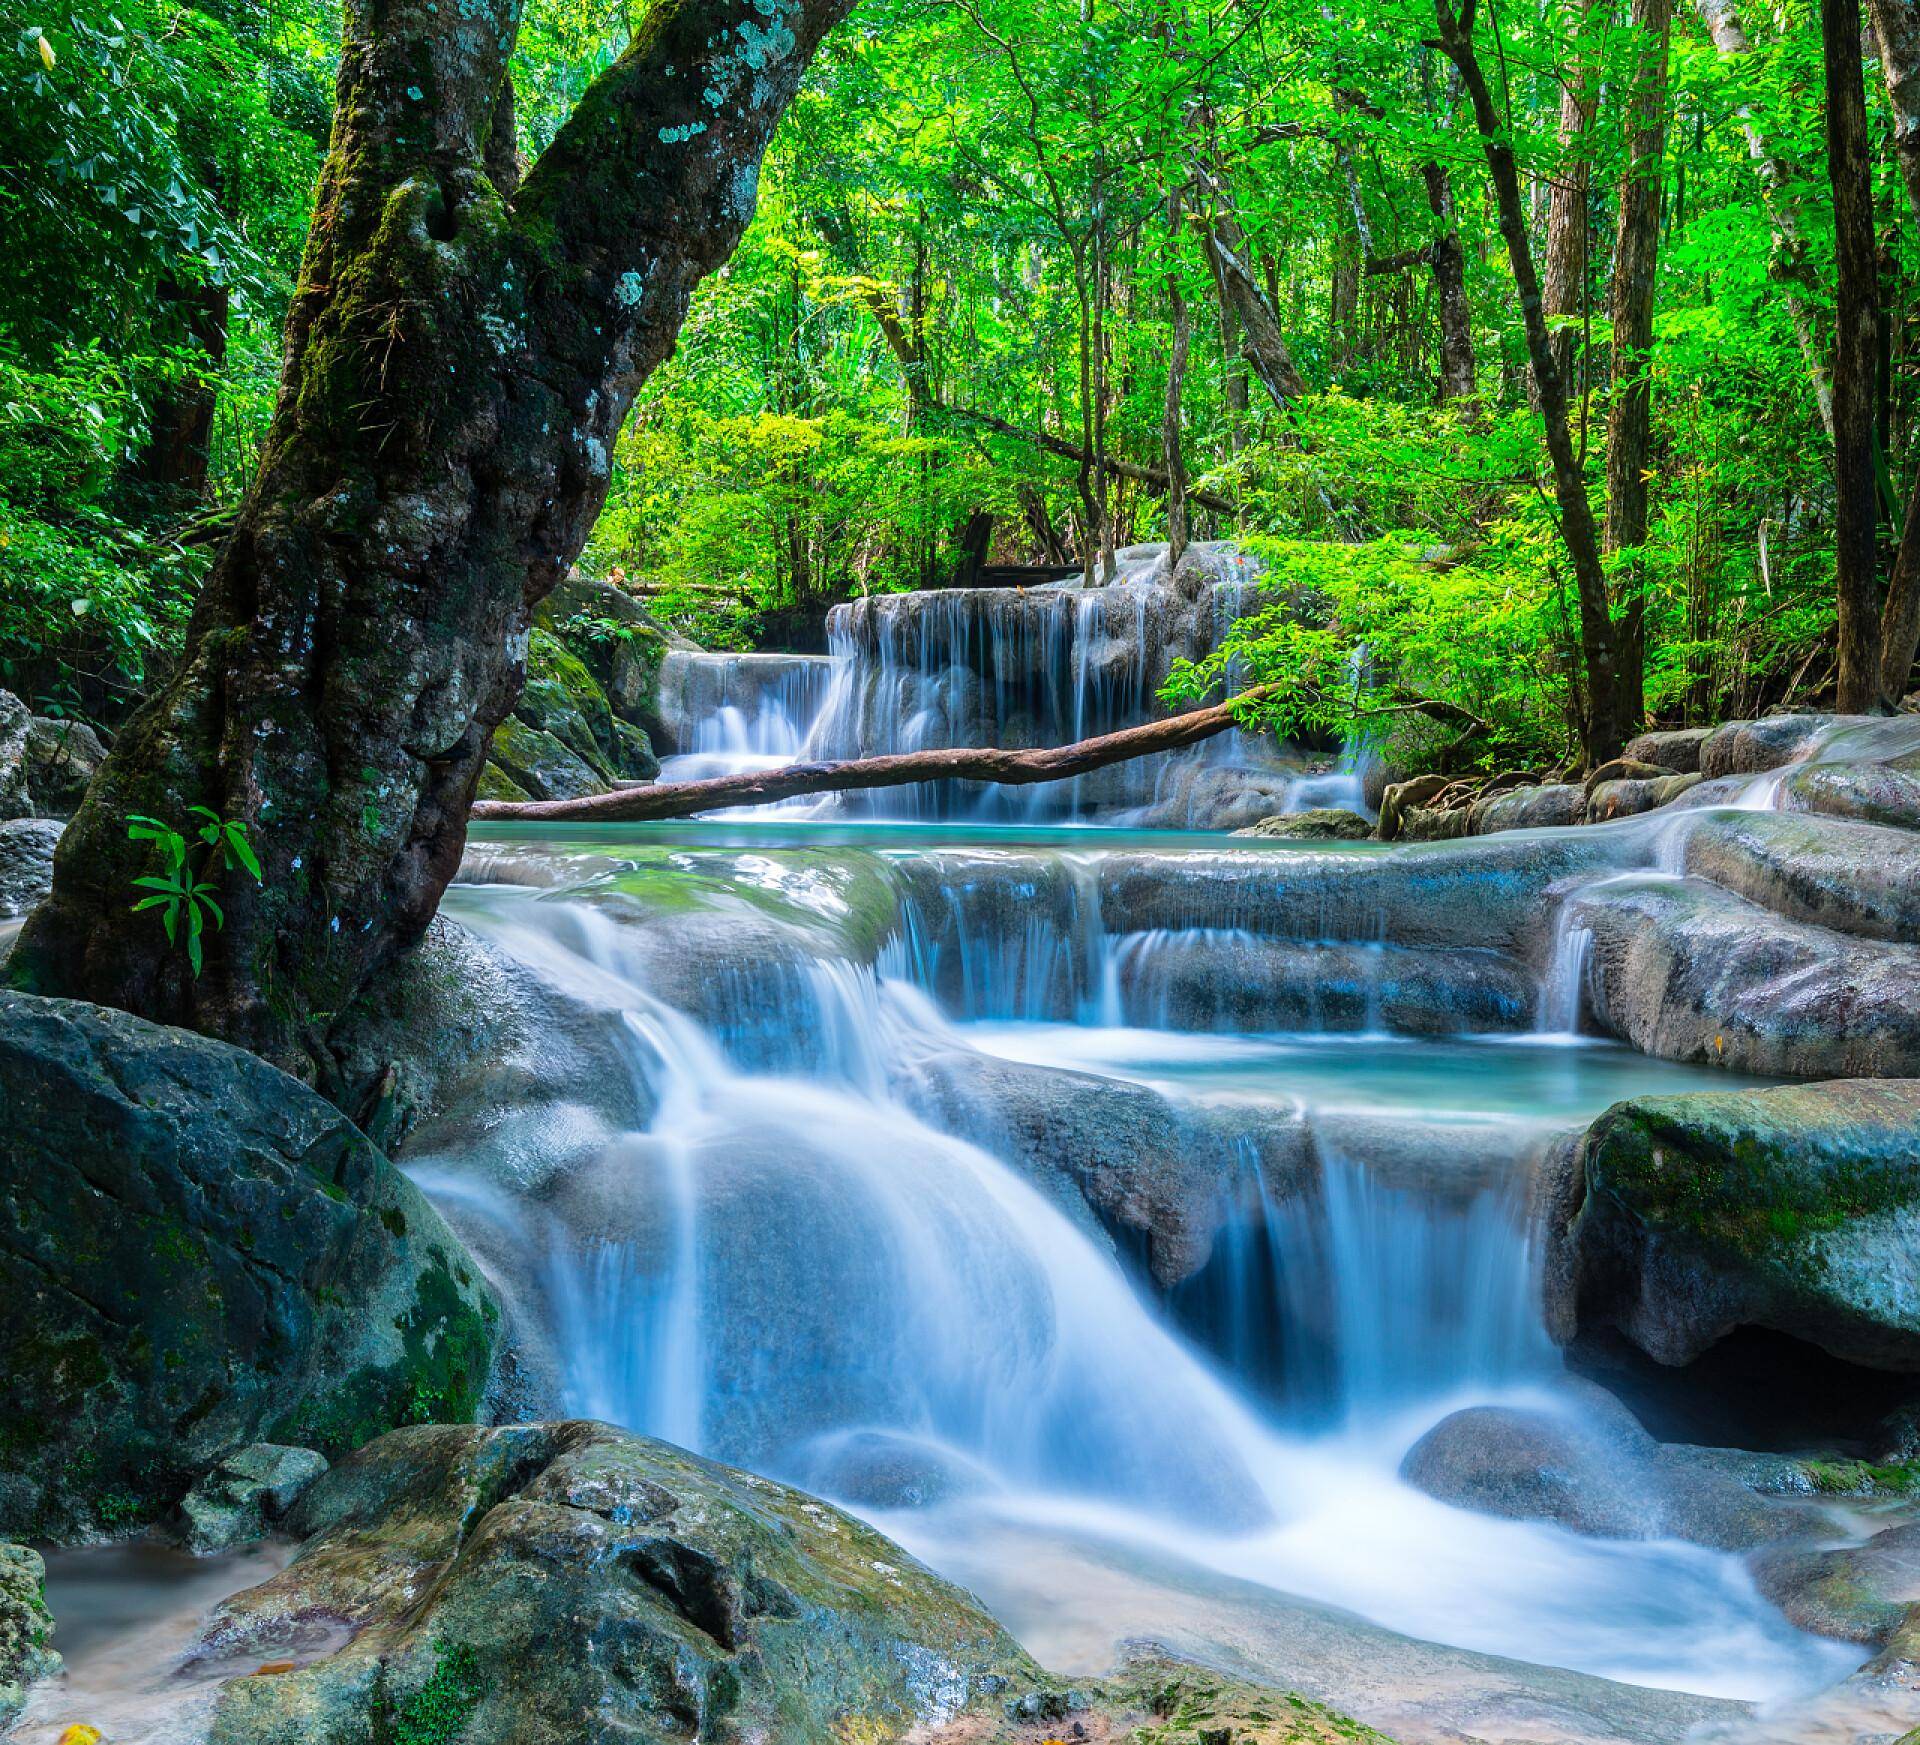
<point x="1875" y="793"/>
<point x="564" y="738"/>
<point x="1531" y="808"/>
<point x="1795" y="1209"/>
<point x="1855" y="878"/>
<point x="562" y="1582"/>
<point x="1687" y="971"/>
<point x="196" y="1253"/>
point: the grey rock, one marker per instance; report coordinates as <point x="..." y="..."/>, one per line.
<point x="246" y="1495"/>
<point x="16" y="723"/>
<point x="198" y="1253"/>
<point x="1862" y="879"/>
<point x="1687" y="971"/>
<point x="1677" y="748"/>
<point x="1796" y="1209"/>
<point x="1629" y="797"/>
<point x="61" y="757"/>
<point x="26" y="863"/>
<point x="1534" y="808"/>
<point x="1628" y="769"/>
<point x="556" y="1582"/>
<point x="1740" y="748"/>
<point x="1875" y="793"/>
<point x="1320" y="824"/>
<point x="26" y="1628"/>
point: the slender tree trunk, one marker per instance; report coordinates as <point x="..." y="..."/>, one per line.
<point x="1177" y="348"/>
<point x="458" y="365"/>
<point x="1856" y="511"/>
<point x="1457" y="378"/>
<point x="1577" y="531"/>
<point x="1791" y="265"/>
<point x="1896" y="30"/>
<point x="1636" y="255"/>
<point x="179" y="446"/>
<point x="1565" y="286"/>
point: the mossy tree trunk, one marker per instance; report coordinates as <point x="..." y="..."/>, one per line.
<point x="460" y="356"/>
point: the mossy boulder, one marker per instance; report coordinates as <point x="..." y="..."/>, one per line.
<point x="563" y="739"/>
<point x="618" y="640"/>
<point x="554" y="1583"/>
<point x="1317" y="824"/>
<point x="26" y="1628"/>
<point x="197" y="1253"/>
<point x="1795" y="1209"/>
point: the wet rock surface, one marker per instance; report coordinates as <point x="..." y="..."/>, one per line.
<point x="248" y="1494"/>
<point x="198" y="1253"/>
<point x="557" y="1582"/>
<point x="1317" y="824"/>
<point x="1796" y="1209"/>
<point x="26" y="863"/>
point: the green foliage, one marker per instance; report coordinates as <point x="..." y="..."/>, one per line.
<point x="185" y="895"/>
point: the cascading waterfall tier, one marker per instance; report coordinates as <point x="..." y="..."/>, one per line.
<point x="848" y="1249"/>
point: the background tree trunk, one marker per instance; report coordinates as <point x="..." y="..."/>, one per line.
<point x="458" y="366"/>
<point x="1856" y="511"/>
<point x="1598" y="649"/>
<point x="1569" y="251"/>
<point x="1791" y="263"/>
<point x="1170" y="446"/>
<point x="1636" y="256"/>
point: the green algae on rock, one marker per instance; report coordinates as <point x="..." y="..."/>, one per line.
<point x="1796" y="1209"/>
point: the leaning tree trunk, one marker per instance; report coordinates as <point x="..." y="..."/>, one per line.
<point x="1636" y="257"/>
<point x="1577" y="531"/>
<point x="1856" y="510"/>
<point x="458" y="364"/>
<point x="1170" y="416"/>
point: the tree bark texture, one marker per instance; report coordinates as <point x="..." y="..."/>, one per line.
<point x="458" y="365"/>
<point x="1577" y="530"/>
<point x="1243" y="298"/>
<point x="1636" y="259"/>
<point x="1457" y="379"/>
<point x="1856" y="311"/>
<point x="660" y="800"/>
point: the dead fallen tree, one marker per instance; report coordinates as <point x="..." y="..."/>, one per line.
<point x="660" y="800"/>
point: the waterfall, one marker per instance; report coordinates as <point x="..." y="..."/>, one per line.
<point x="792" y="1268"/>
<point x="1563" y="995"/>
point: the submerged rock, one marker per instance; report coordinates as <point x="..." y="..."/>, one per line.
<point x="1796" y="1209"/>
<point x="26" y="1628"/>
<point x="560" y="1582"/>
<point x="197" y="1253"/>
<point x="1592" y="1470"/>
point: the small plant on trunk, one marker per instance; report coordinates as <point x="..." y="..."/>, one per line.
<point x="186" y="895"/>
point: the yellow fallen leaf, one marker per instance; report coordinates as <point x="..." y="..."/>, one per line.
<point x="46" y="60"/>
<point x="79" y="1733"/>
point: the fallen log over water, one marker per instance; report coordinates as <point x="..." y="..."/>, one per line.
<point x="660" y="800"/>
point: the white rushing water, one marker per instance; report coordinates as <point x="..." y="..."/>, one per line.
<point x="797" y="1272"/>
